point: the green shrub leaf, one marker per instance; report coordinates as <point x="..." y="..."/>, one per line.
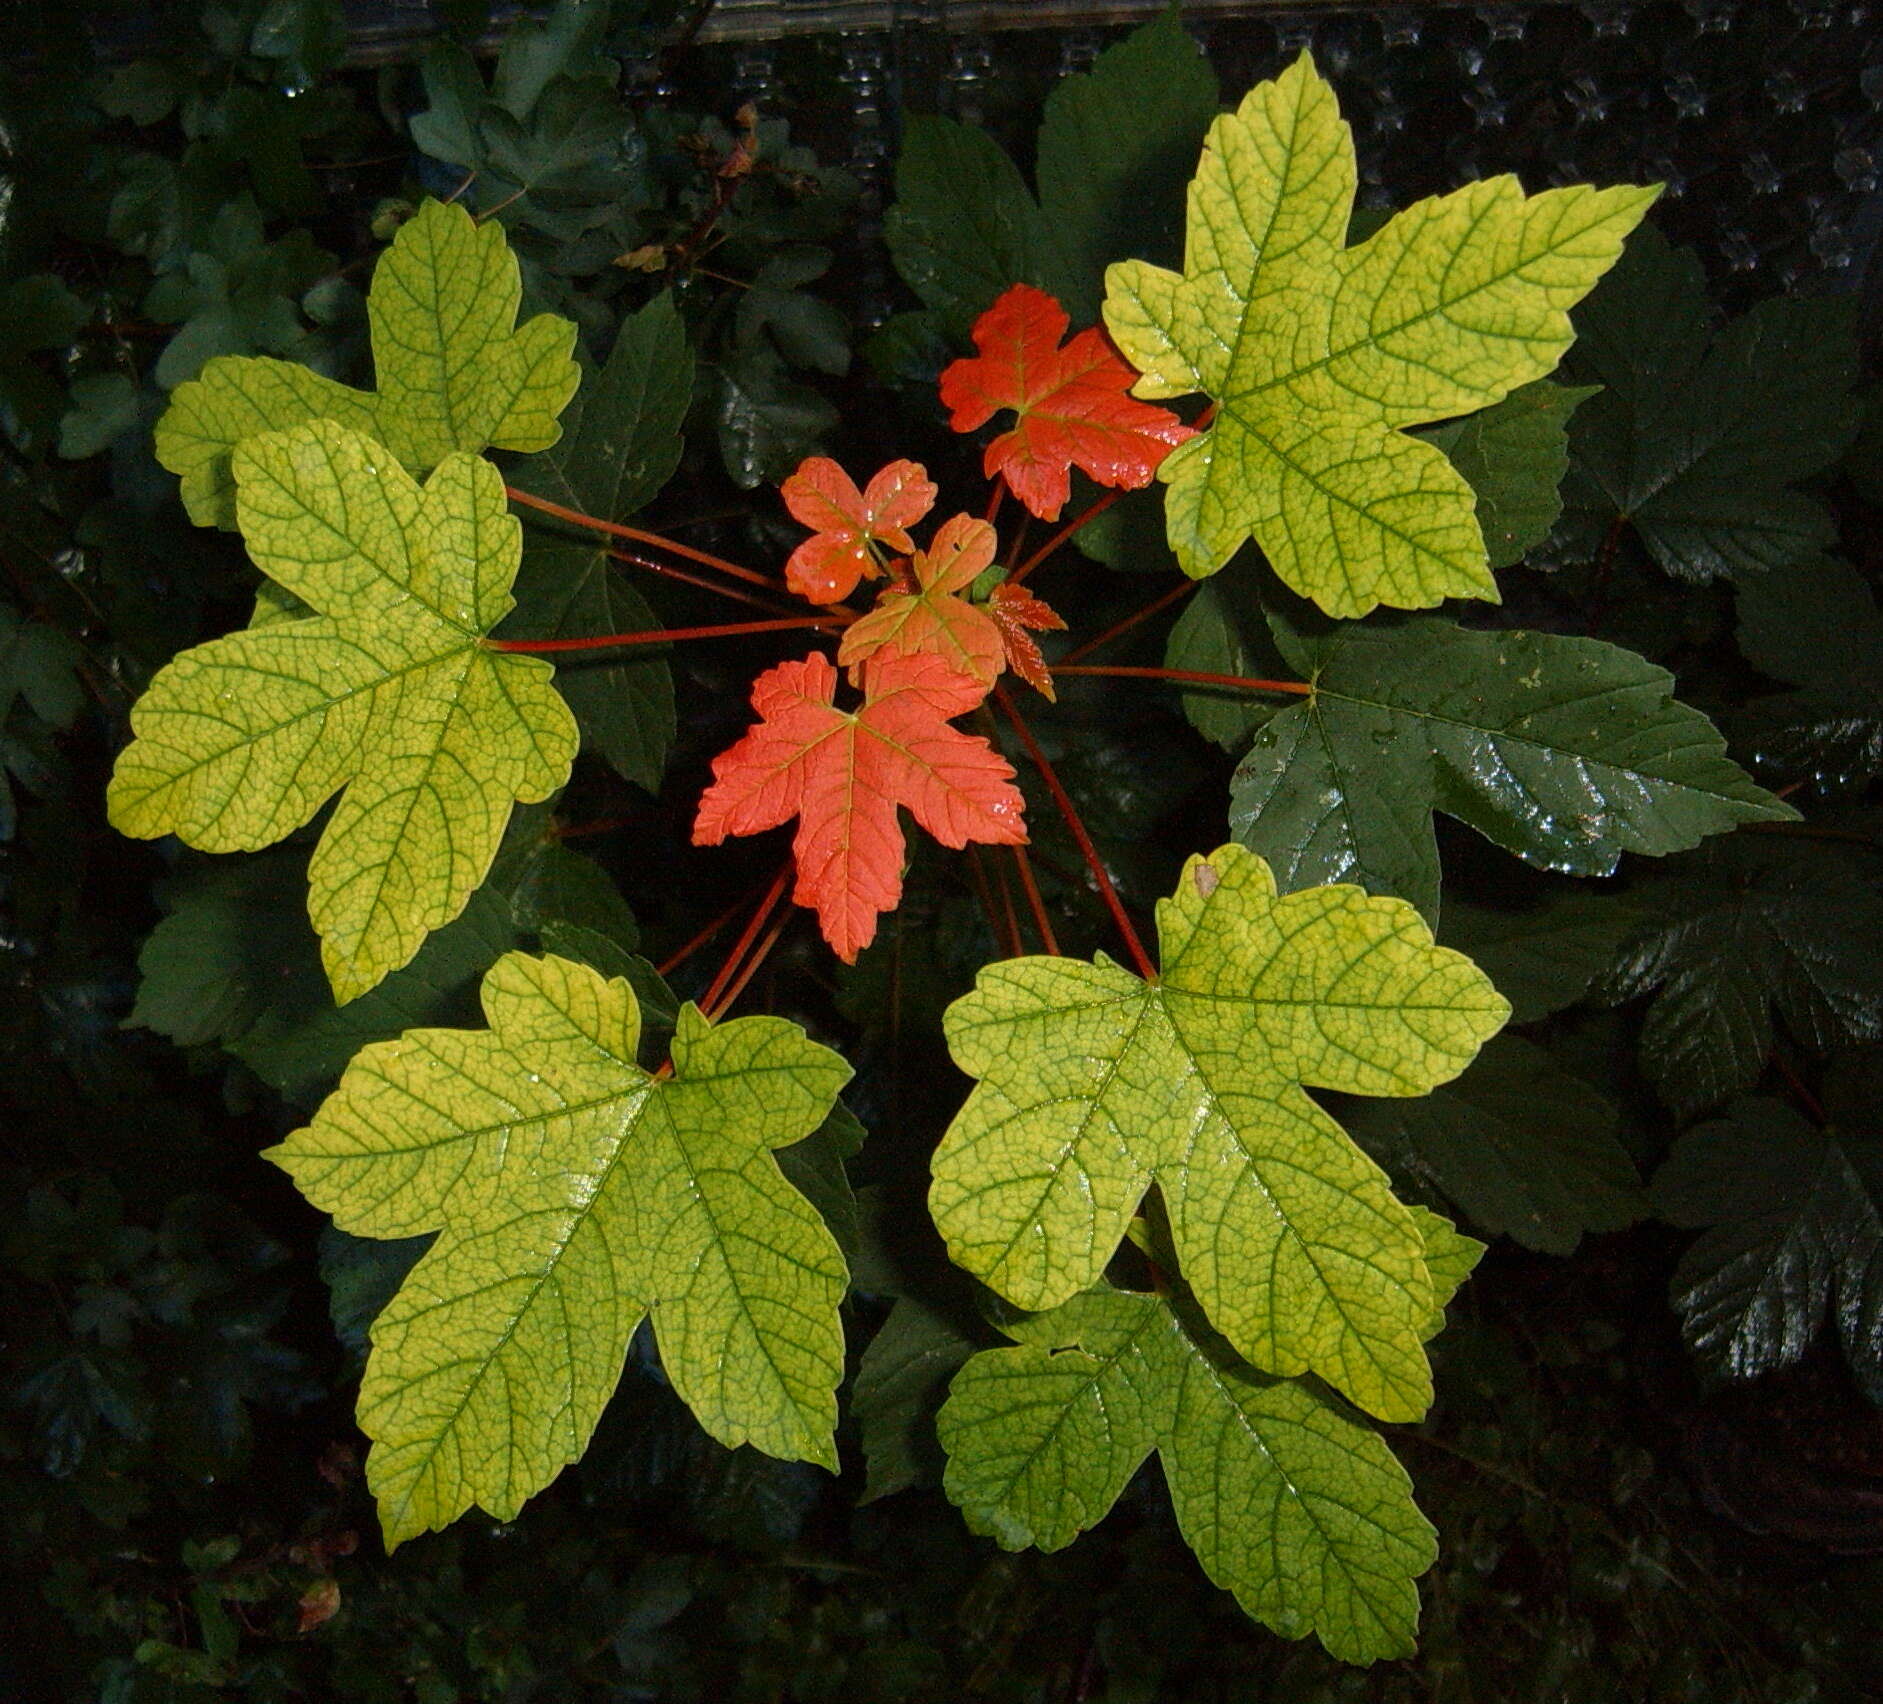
<point x="386" y="691"/>
<point x="1317" y="355"/>
<point x="1093" y="1084"/>
<point x="455" y="371"/>
<point x="575" y="1193"/>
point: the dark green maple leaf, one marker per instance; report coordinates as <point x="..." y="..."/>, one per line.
<point x="620" y="444"/>
<point x="1701" y="434"/>
<point x="1520" y="1146"/>
<point x="1567" y="752"/>
<point x="1792" y="1223"/>
<point x="1116" y="147"/>
<point x="1740" y="934"/>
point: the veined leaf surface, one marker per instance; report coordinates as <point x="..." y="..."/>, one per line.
<point x="575" y="1193"/>
<point x="1288" y="1500"/>
<point x="387" y="691"/>
<point x="1319" y="355"/>
<point x="455" y="370"/>
<point x="1093" y="1084"/>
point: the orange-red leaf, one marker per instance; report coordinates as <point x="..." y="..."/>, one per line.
<point x="843" y="773"/>
<point x="844" y="522"/>
<point x="1071" y="403"/>
<point x="934" y="618"/>
<point x="1014" y="610"/>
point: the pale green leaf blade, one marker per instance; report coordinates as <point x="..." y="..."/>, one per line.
<point x="744" y="1277"/>
<point x="235" y="397"/>
<point x="480" y="1387"/>
<point x="1289" y="1235"/>
<point x="392" y="695"/>
<point x="454" y="370"/>
<point x="1092" y="1083"/>
<point x="1287" y="1500"/>
<point x="1318" y="355"/>
<point x="1450" y="1256"/>
<point x="575" y="1191"/>
<point x="1567" y="752"/>
<point x="1042" y="1438"/>
<point x="1036" y="1178"/>
<point x="1293" y="1505"/>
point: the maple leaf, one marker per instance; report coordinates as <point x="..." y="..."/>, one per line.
<point x="1019" y="614"/>
<point x="842" y="774"/>
<point x="387" y="690"/>
<point x="1094" y="1084"/>
<point x="455" y="370"/>
<point x="576" y="1193"/>
<point x="1792" y="1216"/>
<point x="1319" y="355"/>
<point x="1072" y="405"/>
<point x="845" y="522"/>
<point x="1567" y="752"/>
<point x="934" y="619"/>
<point x="1287" y="1499"/>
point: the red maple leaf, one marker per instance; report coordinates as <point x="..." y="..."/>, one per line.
<point x="1072" y="404"/>
<point x="933" y="618"/>
<point x="1014" y="610"/>
<point x="842" y="774"/>
<point x="845" y="522"/>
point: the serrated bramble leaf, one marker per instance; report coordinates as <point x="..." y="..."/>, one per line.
<point x="1792" y="1223"/>
<point x="843" y="774"/>
<point x="1319" y="355"/>
<point x="1072" y="405"/>
<point x="1093" y="1084"/>
<point x="1699" y="436"/>
<point x="1018" y="614"/>
<point x="387" y="692"/>
<point x="845" y="522"/>
<point x="1567" y="752"/>
<point x="1741" y="935"/>
<point x="455" y="371"/>
<point x="1288" y="1501"/>
<point x="1519" y="1145"/>
<point x="575" y="1193"/>
<point x="934" y="618"/>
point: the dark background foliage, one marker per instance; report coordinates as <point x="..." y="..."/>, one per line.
<point x="1656" y="1463"/>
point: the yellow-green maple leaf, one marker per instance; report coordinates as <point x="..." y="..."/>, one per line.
<point x="1318" y="355"/>
<point x="576" y="1193"/>
<point x="455" y="371"/>
<point x="1093" y="1084"/>
<point x="1288" y="1500"/>
<point x="387" y="690"/>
